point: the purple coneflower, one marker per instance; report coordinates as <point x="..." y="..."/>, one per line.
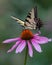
<point x="27" y="39"/>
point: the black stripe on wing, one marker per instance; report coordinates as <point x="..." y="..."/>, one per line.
<point x="28" y="18"/>
<point x="35" y="12"/>
<point x="27" y="21"/>
<point x="29" y="15"/>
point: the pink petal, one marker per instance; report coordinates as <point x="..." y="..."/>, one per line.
<point x="37" y="33"/>
<point x="30" y="49"/>
<point x="21" y="47"/>
<point x="42" y="40"/>
<point x="14" y="46"/>
<point x="10" y="40"/>
<point x="36" y="45"/>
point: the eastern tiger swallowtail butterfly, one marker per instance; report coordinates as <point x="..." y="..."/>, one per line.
<point x="31" y="21"/>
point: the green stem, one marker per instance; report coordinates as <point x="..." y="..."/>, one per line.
<point x="26" y="55"/>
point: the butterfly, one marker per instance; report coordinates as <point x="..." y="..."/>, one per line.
<point x="32" y="21"/>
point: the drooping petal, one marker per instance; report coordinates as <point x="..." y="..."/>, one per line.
<point x="42" y="40"/>
<point x="36" y="45"/>
<point x="30" y="49"/>
<point x="14" y="46"/>
<point x="21" y="47"/>
<point x="10" y="40"/>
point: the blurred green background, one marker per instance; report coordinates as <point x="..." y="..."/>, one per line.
<point x="9" y="28"/>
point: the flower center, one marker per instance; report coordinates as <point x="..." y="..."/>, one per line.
<point x="26" y="34"/>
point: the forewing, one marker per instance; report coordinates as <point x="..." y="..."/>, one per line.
<point x="30" y="20"/>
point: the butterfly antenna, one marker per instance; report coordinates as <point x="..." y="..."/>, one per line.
<point x="18" y="20"/>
